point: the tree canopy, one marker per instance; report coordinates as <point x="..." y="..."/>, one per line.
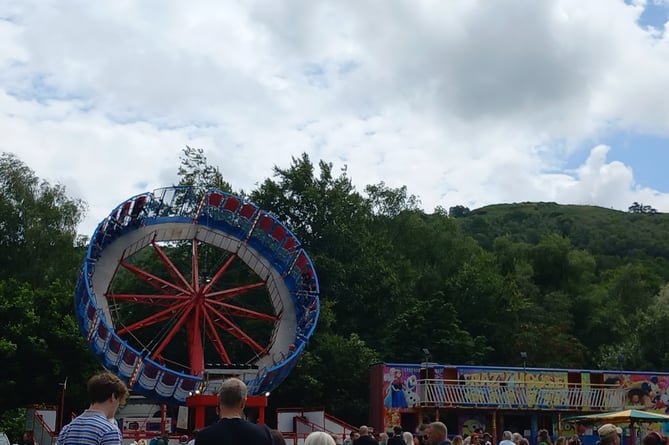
<point x="572" y="286"/>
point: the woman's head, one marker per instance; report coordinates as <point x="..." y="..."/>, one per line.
<point x="319" y="438"/>
<point x="654" y="438"/>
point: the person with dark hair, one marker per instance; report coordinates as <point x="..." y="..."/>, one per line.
<point x="654" y="438"/>
<point x="277" y="437"/>
<point x="544" y="438"/>
<point x="421" y="434"/>
<point x="231" y="428"/>
<point x="397" y="437"/>
<point x="106" y="392"/>
<point x="353" y="436"/>
<point x="28" y="439"/>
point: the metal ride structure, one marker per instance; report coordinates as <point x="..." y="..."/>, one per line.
<point x="249" y="302"/>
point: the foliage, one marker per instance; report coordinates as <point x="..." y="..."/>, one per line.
<point x="458" y="211"/>
<point x="640" y="208"/>
<point x="13" y="423"/>
<point x="38" y="229"/>
<point x="197" y="172"/>
<point x="572" y="286"/>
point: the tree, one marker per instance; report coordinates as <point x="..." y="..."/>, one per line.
<point x="390" y="202"/>
<point x="40" y="256"/>
<point x="197" y="172"/>
<point x="641" y="208"/>
<point x="38" y="230"/>
<point x="458" y="211"/>
<point x="335" y="369"/>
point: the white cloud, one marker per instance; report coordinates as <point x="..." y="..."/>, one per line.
<point x="465" y="102"/>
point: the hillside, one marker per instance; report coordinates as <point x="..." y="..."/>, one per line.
<point x="613" y="237"/>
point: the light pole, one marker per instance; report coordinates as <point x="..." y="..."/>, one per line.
<point x="426" y="353"/>
<point x="62" y="403"/>
<point x="523" y="355"/>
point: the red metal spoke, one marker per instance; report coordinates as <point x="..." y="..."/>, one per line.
<point x="232" y="329"/>
<point x="170" y="335"/>
<point x="195" y="267"/>
<point x="152" y="279"/>
<point x="195" y="346"/>
<point x="153" y="319"/>
<point x="212" y="333"/>
<point x="171" y="267"/>
<point x="233" y="292"/>
<point x="237" y="311"/>
<point x="219" y="273"/>
<point x="147" y="298"/>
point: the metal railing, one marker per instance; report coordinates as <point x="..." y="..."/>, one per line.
<point x="519" y="395"/>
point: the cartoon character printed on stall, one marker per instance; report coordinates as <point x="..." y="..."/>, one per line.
<point x="662" y="398"/>
<point x="638" y="393"/>
<point x="395" y="396"/>
<point x="410" y="391"/>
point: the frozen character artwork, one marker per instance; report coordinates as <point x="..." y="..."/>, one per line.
<point x="395" y="396"/>
<point x="410" y="391"/>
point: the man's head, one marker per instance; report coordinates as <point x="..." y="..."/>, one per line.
<point x="232" y="395"/>
<point x="609" y="434"/>
<point x="108" y="390"/>
<point x="354" y="435"/>
<point x="421" y="432"/>
<point x="507" y="435"/>
<point x="397" y="430"/>
<point x="364" y="430"/>
<point x="436" y="433"/>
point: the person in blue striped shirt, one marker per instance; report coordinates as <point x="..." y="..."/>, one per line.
<point x="106" y="393"/>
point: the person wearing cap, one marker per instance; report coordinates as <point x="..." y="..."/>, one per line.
<point x="609" y="434"/>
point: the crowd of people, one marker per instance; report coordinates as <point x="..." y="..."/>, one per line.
<point x="96" y="426"/>
<point x="436" y="433"/>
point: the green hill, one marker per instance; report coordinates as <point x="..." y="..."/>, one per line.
<point x="613" y="237"/>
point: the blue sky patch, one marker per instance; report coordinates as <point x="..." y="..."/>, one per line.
<point x="647" y="156"/>
<point x="655" y="15"/>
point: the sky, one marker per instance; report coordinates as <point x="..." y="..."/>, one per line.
<point x="465" y="102"/>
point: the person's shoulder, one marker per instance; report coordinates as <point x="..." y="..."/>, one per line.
<point x="207" y="432"/>
<point x="260" y="429"/>
<point x="260" y="433"/>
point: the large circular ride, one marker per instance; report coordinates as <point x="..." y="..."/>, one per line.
<point x="179" y="282"/>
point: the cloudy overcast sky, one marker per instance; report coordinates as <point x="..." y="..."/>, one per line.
<point x="463" y="101"/>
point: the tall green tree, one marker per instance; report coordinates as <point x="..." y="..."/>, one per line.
<point x="39" y="226"/>
<point x="196" y="171"/>
<point x="40" y="256"/>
